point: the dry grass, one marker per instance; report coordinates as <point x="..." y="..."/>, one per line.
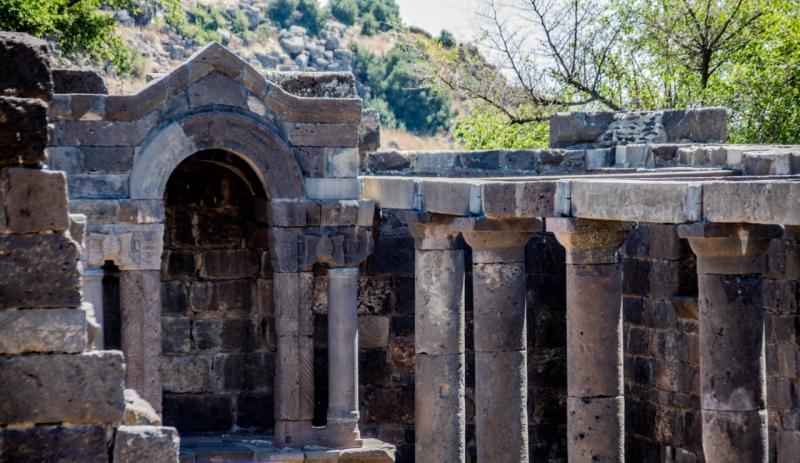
<point x="402" y="140"/>
<point x="379" y="44"/>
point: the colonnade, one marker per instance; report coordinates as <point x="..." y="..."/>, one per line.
<point x="731" y="331"/>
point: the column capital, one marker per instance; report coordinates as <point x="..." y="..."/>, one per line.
<point x="589" y="241"/>
<point x="729" y="249"/>
<point x="431" y="231"/>
<point x="498" y="241"/>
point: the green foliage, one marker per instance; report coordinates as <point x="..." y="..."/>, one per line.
<point x="346" y="11"/>
<point x="447" y="39"/>
<point x="303" y="13"/>
<point x="484" y="128"/>
<point x="385" y="12"/>
<point x="369" y="25"/>
<point x="399" y="94"/>
<point x="79" y="26"/>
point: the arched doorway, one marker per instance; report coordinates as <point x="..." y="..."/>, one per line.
<point x="218" y="342"/>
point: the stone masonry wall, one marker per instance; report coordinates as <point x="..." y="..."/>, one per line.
<point x="60" y="400"/>
<point x="218" y="339"/>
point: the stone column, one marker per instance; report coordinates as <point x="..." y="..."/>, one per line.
<point x="731" y="325"/>
<point x="595" y="391"/>
<point x="501" y="370"/>
<point x="92" y="285"/>
<point x="439" y="405"/>
<point x="140" y="313"/>
<point x="343" y="356"/>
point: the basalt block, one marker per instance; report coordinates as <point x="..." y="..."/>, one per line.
<point x="153" y="444"/>
<point x="79" y="389"/>
<point x="84" y="444"/>
<point x="42" y="330"/>
<point x="23" y="130"/>
<point x="78" y="81"/>
<point x="39" y="271"/>
<point x="30" y="57"/>
<point x="33" y="200"/>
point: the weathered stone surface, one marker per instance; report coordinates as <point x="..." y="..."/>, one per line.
<point x="198" y="412"/>
<point x="135" y="444"/>
<point x="595" y="429"/>
<point x="186" y="373"/>
<point x="39" y="271"/>
<point x="439" y="410"/>
<point x="43" y="330"/>
<point x="735" y="436"/>
<point x="568" y="129"/>
<point x="751" y="202"/>
<point x="657" y="202"/>
<point x="369" y="131"/>
<point x="31" y="57"/>
<point x="518" y="199"/>
<point x="138" y="412"/>
<point x="333" y="135"/>
<point x="23" y="131"/>
<point x="332" y="188"/>
<point x="98" y="186"/>
<point x="373" y="332"/>
<point x="78" y="444"/>
<point x="86" y="388"/>
<point x="293" y="298"/>
<point x="34" y="200"/>
<point x="294" y="389"/>
<point x="700" y="125"/>
<point x="231" y="295"/>
<point x="439" y="302"/>
<point x="78" y="81"/>
<point x="229" y="264"/>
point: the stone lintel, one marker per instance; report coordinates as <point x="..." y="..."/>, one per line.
<point x="498" y="241"/>
<point x="729" y="249"/>
<point x="431" y="231"/>
<point x="129" y="246"/>
<point x="589" y="241"/>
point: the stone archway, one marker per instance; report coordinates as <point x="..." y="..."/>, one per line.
<point x="218" y="341"/>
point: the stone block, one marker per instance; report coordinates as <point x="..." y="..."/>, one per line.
<point x="229" y="264"/>
<point x="78" y="81"/>
<point x="221" y="296"/>
<point x="755" y="202"/>
<point x="735" y="436"/>
<point x="29" y="58"/>
<point x="141" y="211"/>
<point x="255" y="410"/>
<point x="369" y="130"/>
<point x="39" y="271"/>
<point x="293" y="302"/>
<point x="391" y="192"/>
<point x="153" y="444"/>
<point x="567" y="129"/>
<point x="519" y="199"/>
<point x="312" y="161"/>
<point x="382" y="162"/>
<point x="96" y="210"/>
<point x="186" y="373"/>
<point x="319" y="134"/>
<point x="34" y="200"/>
<point x="374" y="367"/>
<point x="286" y="246"/>
<point x="198" y="412"/>
<point x="23" y="133"/>
<point x="85" y="388"/>
<point x="595" y="428"/>
<point x="224" y="335"/>
<point x="42" y="330"/>
<point x="339" y="213"/>
<point x="294" y="389"/>
<point x="619" y="200"/>
<point x="332" y="188"/>
<point x="73" y="444"/>
<point x="697" y="125"/>
<point x="293" y="213"/>
<point x="174" y="297"/>
<point x="452" y="198"/>
<point x="179" y="264"/>
<point x="138" y="412"/>
<point x="175" y="335"/>
<point x="499" y="309"/>
<point x="341" y="162"/>
<point x="373" y="331"/>
<point x="440" y="302"/>
<point x="439" y="410"/>
<point x="98" y="186"/>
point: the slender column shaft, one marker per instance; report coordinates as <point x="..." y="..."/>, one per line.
<point x="140" y="313"/>
<point x="501" y="369"/>
<point x="731" y="328"/>
<point x="439" y="344"/>
<point x="92" y="286"/>
<point x="595" y="393"/>
<point x="343" y="346"/>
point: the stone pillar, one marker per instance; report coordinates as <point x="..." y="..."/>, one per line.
<point x="731" y="325"/>
<point x="343" y="356"/>
<point x="92" y="285"/>
<point x="140" y="313"/>
<point x="439" y="406"/>
<point x="500" y="330"/>
<point x="595" y="391"/>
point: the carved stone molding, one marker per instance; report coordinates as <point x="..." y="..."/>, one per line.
<point x="129" y="246"/>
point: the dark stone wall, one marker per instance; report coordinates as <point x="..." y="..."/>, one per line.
<point x="218" y="339"/>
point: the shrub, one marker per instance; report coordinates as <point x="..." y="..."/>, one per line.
<point x="346" y="11"/>
<point x="303" y="13"/>
<point x="369" y="25"/>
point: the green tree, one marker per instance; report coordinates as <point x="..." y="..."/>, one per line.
<point x="386" y="13"/>
<point x="80" y="27"/>
<point x="346" y="11"/>
<point x="303" y="13"/>
<point x="486" y="128"/>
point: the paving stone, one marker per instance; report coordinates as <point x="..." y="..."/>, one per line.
<point x="134" y="444"/>
<point x="43" y="330"/>
<point x="85" y="388"/>
<point x="73" y="444"/>
<point x="34" y="200"/>
<point x="23" y="134"/>
<point x="39" y="271"/>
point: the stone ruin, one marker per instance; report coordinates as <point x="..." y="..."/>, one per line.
<point x="281" y="291"/>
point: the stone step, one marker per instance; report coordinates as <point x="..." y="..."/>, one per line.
<point x="261" y="449"/>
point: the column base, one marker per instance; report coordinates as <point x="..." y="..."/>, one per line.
<point x="595" y="429"/>
<point x="735" y="436"/>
